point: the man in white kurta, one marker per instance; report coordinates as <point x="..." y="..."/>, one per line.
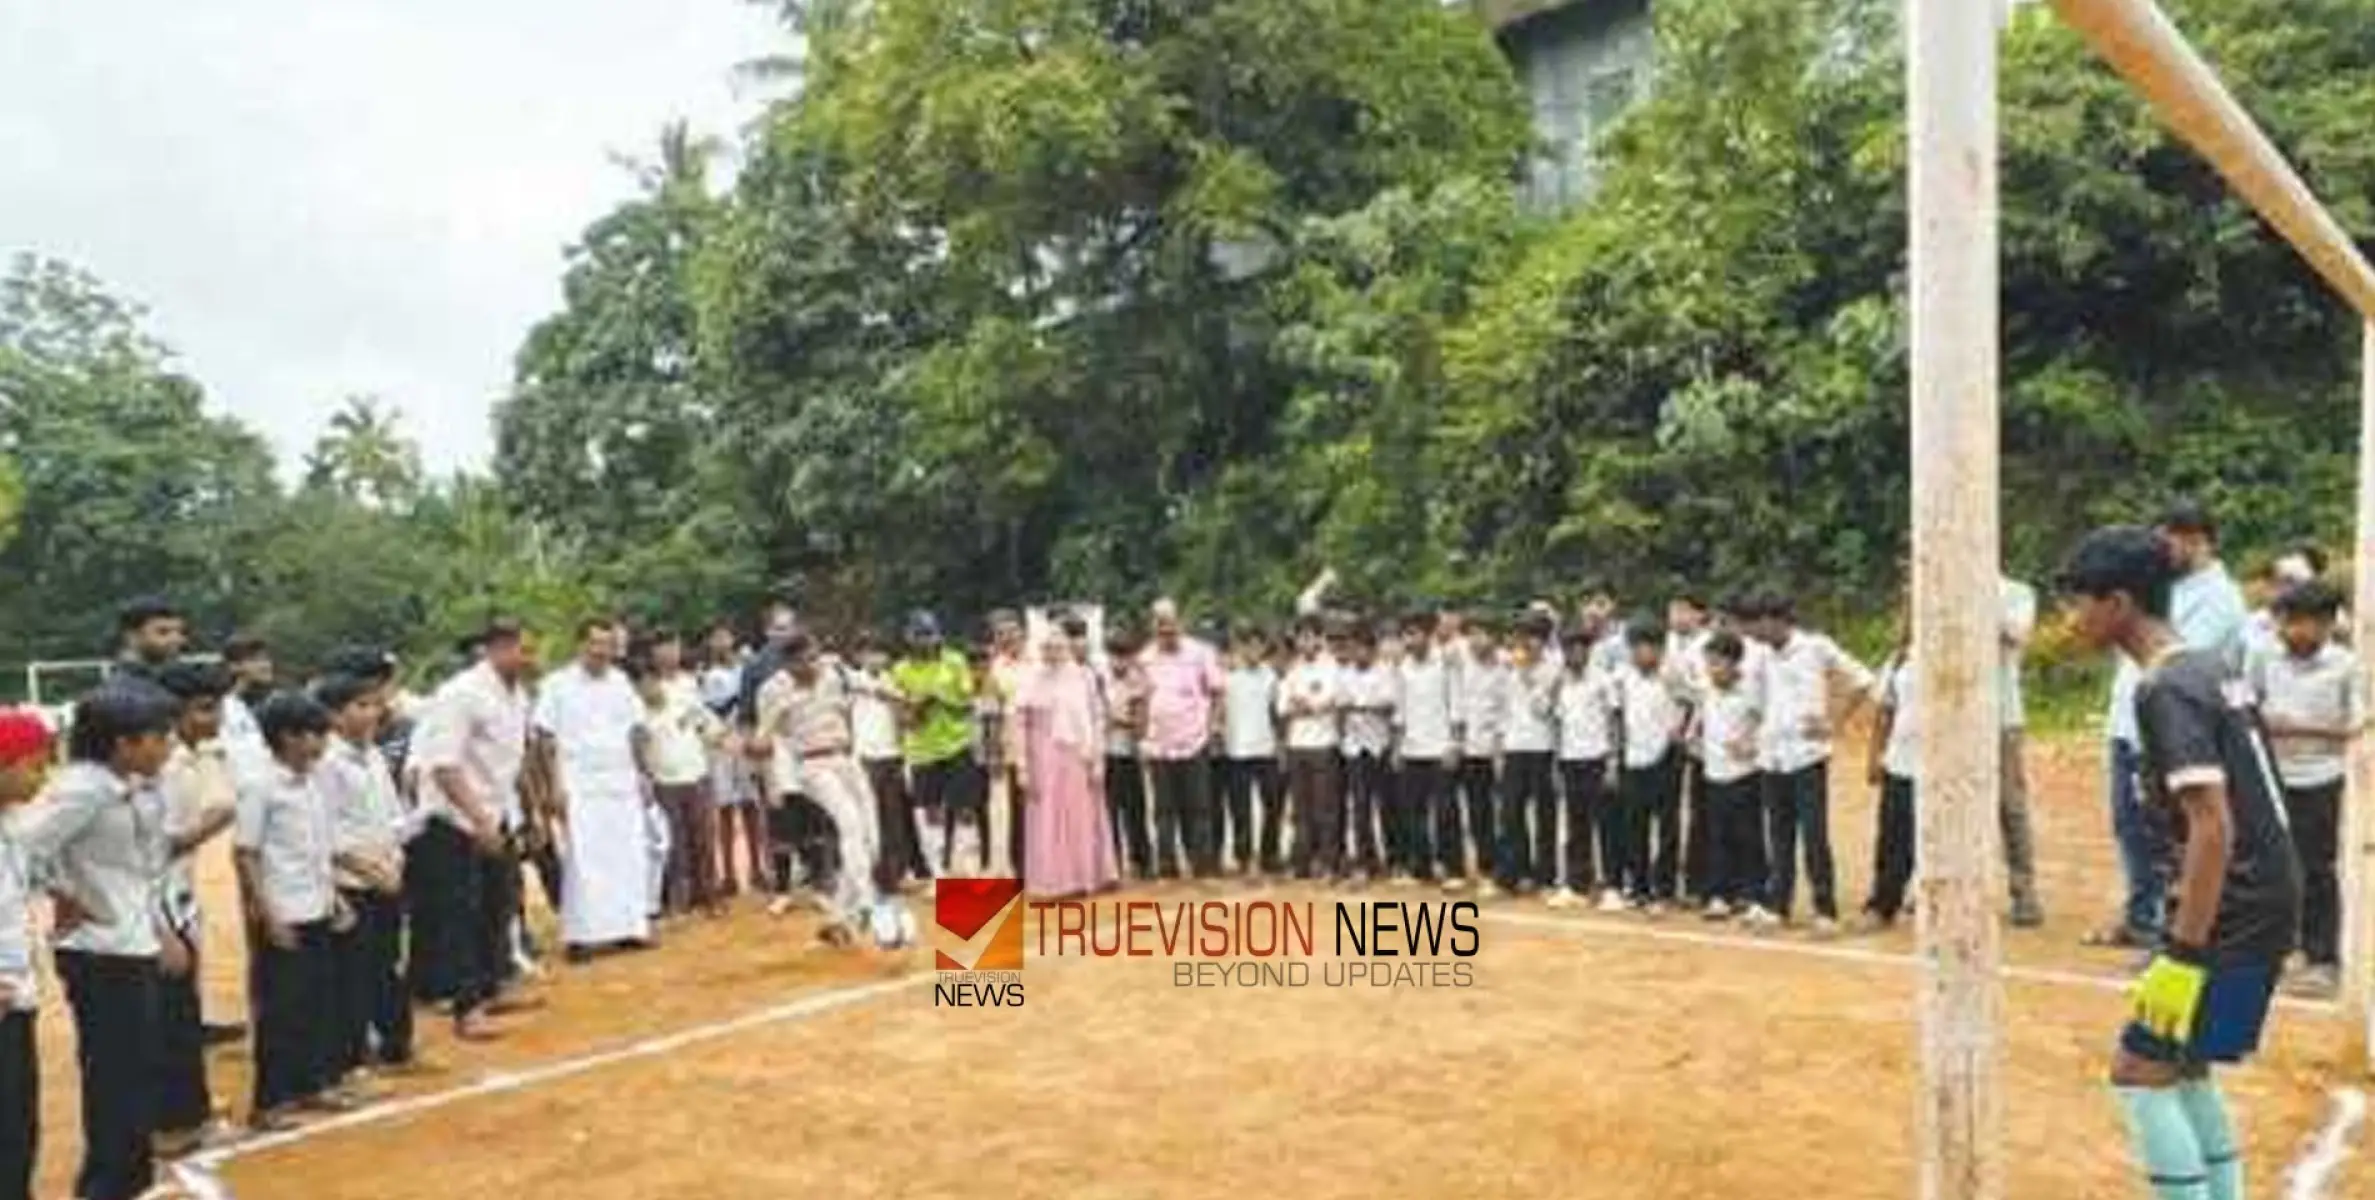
<point x="586" y="714"/>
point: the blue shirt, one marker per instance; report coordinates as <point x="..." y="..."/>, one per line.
<point x="2208" y="613"/>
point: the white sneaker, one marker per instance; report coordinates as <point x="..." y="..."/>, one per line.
<point x="1717" y="910"/>
<point x="780" y="906"/>
<point x="1759" y="917"/>
<point x="1825" y="928"/>
<point x="1562" y="898"/>
<point x="1455" y="884"/>
<point x="1612" y="901"/>
<point x="1487" y="890"/>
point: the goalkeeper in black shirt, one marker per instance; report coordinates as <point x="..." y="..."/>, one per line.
<point x="2204" y="998"/>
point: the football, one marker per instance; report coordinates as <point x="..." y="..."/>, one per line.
<point x="894" y="925"/>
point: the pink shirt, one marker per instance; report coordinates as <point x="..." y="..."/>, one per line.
<point x="1182" y="686"/>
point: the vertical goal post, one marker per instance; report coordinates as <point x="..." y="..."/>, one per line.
<point x="1951" y="57"/>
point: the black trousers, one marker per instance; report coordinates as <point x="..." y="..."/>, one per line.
<point x="1584" y="790"/>
<point x="1125" y="808"/>
<point x="503" y="896"/>
<point x="20" y="1105"/>
<point x="804" y="844"/>
<point x="1474" y="782"/>
<point x="295" y="992"/>
<point x="449" y="879"/>
<point x="901" y="856"/>
<point x="1242" y="780"/>
<point x="948" y="793"/>
<point x="1892" y="850"/>
<point x="183" y="1101"/>
<point x="1368" y="782"/>
<point x="1421" y="791"/>
<point x="114" y="999"/>
<point x="1653" y="828"/>
<point x="1315" y="780"/>
<point x="1798" y="807"/>
<point x="1698" y="827"/>
<point x="1184" y="818"/>
<point x="1529" y="820"/>
<point x="1735" y="813"/>
<point x="373" y="1009"/>
<point x="2315" y="814"/>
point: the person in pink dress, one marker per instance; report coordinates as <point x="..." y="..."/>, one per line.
<point x="1067" y="834"/>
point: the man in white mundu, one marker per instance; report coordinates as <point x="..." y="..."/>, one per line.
<point x="586" y="719"/>
<point x="804" y="711"/>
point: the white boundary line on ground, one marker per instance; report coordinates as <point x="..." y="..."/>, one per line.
<point x="2311" y="1176"/>
<point x="809" y="1005"/>
<point x="1588" y="926"/>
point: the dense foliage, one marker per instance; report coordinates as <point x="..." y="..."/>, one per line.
<point x="1024" y="298"/>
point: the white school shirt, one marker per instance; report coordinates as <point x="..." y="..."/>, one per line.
<point x="2322" y="690"/>
<point x="1726" y="717"/>
<point x="367" y="817"/>
<point x="16" y="930"/>
<point x="1424" y="717"/>
<point x="1529" y="720"/>
<point x="591" y="720"/>
<point x="1319" y="684"/>
<point x="477" y="724"/>
<point x="1374" y="687"/>
<point x="1797" y="686"/>
<point x="1686" y="662"/>
<point x="1652" y="710"/>
<point x="285" y="821"/>
<point x="1249" y="724"/>
<point x="1586" y="706"/>
<point x="873" y="722"/>
<point x="1901" y="757"/>
<point x="100" y="840"/>
<point x="2018" y="619"/>
<point x="677" y="733"/>
<point x="195" y="779"/>
<point x="1481" y="703"/>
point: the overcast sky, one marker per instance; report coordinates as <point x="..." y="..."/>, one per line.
<point x="320" y="197"/>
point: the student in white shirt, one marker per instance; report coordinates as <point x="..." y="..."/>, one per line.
<point x="2309" y="702"/>
<point x="1585" y="704"/>
<point x="1371" y="694"/>
<point x="1249" y="753"/>
<point x="24" y="758"/>
<point x="1686" y="664"/>
<point x="286" y="839"/>
<point x="804" y="710"/>
<point x="1125" y="688"/>
<point x="1799" y="675"/>
<point x="1422" y="811"/>
<point x="201" y="800"/>
<point x="1480" y="698"/>
<point x="1652" y="714"/>
<point x="1311" y="699"/>
<point x="470" y="746"/>
<point x="875" y="703"/>
<point x="1895" y="755"/>
<point x="369" y="827"/>
<point x="95" y="838"/>
<point x="679" y="730"/>
<point x="1726" y="725"/>
<point x="1529" y="739"/>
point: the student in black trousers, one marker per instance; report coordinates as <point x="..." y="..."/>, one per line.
<point x="20" y="1102"/>
<point x="199" y="805"/>
<point x="24" y="751"/>
<point x="98" y="840"/>
<point x="286" y="874"/>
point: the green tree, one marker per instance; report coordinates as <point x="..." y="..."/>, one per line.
<point x="364" y="456"/>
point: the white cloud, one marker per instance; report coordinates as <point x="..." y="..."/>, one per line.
<point x="369" y="195"/>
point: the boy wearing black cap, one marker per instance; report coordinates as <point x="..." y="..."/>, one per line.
<point x="2204" y="998"/>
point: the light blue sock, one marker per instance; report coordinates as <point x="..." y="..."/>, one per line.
<point x="2165" y="1143"/>
<point x="2214" y="1132"/>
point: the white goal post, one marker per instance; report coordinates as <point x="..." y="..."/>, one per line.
<point x="1952" y="97"/>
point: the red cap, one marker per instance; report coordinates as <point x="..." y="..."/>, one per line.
<point x="24" y="737"/>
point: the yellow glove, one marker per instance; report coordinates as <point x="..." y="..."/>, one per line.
<point x="2169" y="993"/>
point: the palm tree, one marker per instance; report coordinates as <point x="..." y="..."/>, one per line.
<point x="363" y="456"/>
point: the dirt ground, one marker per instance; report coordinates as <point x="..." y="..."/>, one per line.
<point x="1593" y="1057"/>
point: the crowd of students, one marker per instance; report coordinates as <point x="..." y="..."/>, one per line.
<point x="382" y="838"/>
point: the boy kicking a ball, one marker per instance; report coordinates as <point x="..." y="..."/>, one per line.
<point x="2204" y="998"/>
